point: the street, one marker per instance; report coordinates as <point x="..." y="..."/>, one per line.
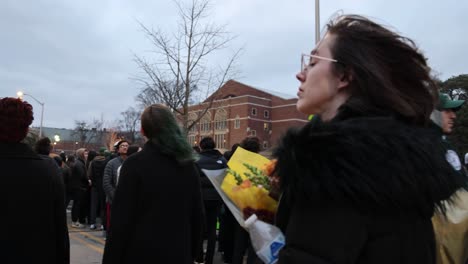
<point x="87" y="246"/>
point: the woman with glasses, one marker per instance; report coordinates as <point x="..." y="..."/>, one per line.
<point x="361" y="181"/>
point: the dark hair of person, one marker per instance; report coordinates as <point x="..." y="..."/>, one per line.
<point x="132" y="149"/>
<point x="161" y="129"/>
<point x="70" y="160"/>
<point x="15" y="117"/>
<point x="91" y="155"/>
<point x="43" y="146"/>
<point x="387" y="72"/>
<point x="207" y="143"/>
<point x="63" y="156"/>
<point x="251" y="144"/>
<point x="59" y="160"/>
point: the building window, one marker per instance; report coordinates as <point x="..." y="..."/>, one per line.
<point x="193" y="129"/>
<point x="220" y="120"/>
<point x="254" y="111"/>
<point x="253" y="133"/>
<point x="205" y="123"/>
<point x="237" y="122"/>
<point x="265" y="126"/>
<point x="192" y="118"/>
<point x="220" y="141"/>
<point x="265" y="144"/>
<point x="191" y="140"/>
<point x="266" y="114"/>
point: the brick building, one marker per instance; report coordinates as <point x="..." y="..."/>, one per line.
<point x="238" y="110"/>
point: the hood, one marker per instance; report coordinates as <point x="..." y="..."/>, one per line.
<point x="99" y="158"/>
<point x="369" y="163"/>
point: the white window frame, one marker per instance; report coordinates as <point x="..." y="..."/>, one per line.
<point x="237" y="122"/>
<point x="254" y="110"/>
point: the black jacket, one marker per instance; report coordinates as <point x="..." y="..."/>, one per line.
<point x="361" y="190"/>
<point x="79" y="177"/>
<point x="157" y="212"/>
<point x="96" y="171"/>
<point x="33" y="208"/>
<point x="210" y="160"/>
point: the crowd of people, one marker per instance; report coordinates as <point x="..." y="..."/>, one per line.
<point x="90" y="178"/>
<point x="367" y="180"/>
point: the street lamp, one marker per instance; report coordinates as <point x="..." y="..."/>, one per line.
<point x="317" y="21"/>
<point x="56" y="139"/>
<point x="20" y="95"/>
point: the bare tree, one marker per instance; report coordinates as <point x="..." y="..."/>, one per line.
<point x="129" y="123"/>
<point x="181" y="76"/>
<point x="86" y="131"/>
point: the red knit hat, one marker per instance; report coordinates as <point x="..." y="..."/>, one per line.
<point x="15" y="117"/>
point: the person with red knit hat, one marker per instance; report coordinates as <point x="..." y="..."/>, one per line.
<point x="33" y="191"/>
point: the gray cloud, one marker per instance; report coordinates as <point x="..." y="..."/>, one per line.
<point x="77" y="56"/>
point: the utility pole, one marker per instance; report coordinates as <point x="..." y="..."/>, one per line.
<point x="317" y="21"/>
<point x="20" y="95"/>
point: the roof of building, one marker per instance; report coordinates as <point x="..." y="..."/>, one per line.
<point x="228" y="85"/>
<point x="276" y="93"/>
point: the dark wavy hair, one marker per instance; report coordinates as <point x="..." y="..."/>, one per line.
<point x="15" y="118"/>
<point x="387" y="72"/>
<point x="161" y="129"/>
<point x="43" y="146"/>
<point x="251" y="144"/>
<point x="207" y="143"/>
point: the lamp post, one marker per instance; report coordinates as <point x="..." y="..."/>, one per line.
<point x="20" y="95"/>
<point x="317" y="21"/>
<point x="56" y="140"/>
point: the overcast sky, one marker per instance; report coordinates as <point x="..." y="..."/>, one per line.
<point x="76" y="56"/>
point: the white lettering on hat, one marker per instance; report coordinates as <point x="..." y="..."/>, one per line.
<point x="453" y="159"/>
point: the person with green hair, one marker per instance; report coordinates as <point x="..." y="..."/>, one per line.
<point x="157" y="213"/>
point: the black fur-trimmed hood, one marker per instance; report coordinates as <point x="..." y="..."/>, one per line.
<point x="368" y="162"/>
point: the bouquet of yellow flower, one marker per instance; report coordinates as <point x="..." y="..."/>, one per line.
<point x="248" y="184"/>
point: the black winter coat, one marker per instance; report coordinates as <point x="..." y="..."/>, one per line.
<point x="96" y="171"/>
<point x="79" y="177"/>
<point x="157" y="212"/>
<point x="33" y="208"/>
<point x="210" y="160"/>
<point x="361" y="190"/>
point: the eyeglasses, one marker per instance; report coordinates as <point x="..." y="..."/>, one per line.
<point x="306" y="60"/>
<point x="123" y="146"/>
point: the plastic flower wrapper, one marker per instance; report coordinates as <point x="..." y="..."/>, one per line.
<point x="248" y="185"/>
<point x="245" y="186"/>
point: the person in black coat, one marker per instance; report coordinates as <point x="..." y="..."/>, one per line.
<point x="361" y="181"/>
<point x="98" y="197"/>
<point x="209" y="159"/>
<point x="157" y="211"/>
<point x="33" y="195"/>
<point x="79" y="186"/>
